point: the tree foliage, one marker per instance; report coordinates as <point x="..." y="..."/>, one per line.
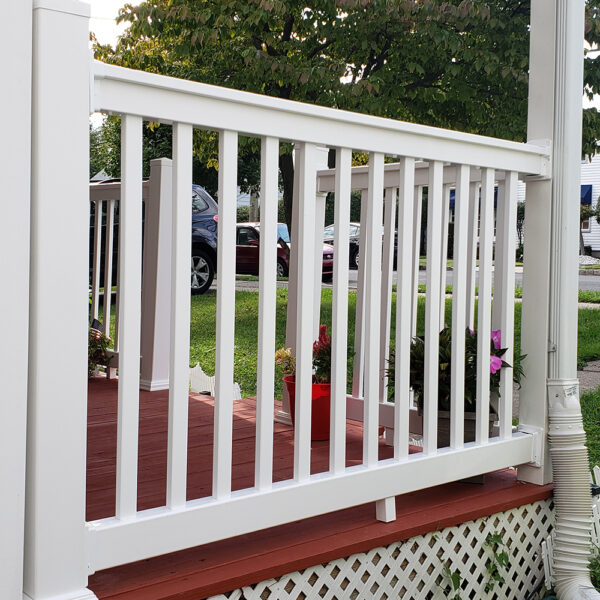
<point x="460" y="64"/>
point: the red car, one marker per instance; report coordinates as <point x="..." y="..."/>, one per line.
<point x="248" y="237"/>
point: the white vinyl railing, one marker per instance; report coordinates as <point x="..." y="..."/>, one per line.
<point x="430" y="159"/>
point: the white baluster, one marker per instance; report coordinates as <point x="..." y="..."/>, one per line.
<point x="404" y="303"/>
<point x="371" y="259"/>
<point x="416" y="249"/>
<point x="339" y="330"/>
<point x="305" y="318"/>
<point x="228" y="145"/>
<point x="267" y="302"/>
<point x="472" y="241"/>
<point x="130" y="284"/>
<point x="98" y="204"/>
<point x="484" y="306"/>
<point x="389" y="225"/>
<point x="445" y="224"/>
<point x="504" y="293"/>
<point x="358" y="372"/>
<point x="459" y="302"/>
<point x="432" y="306"/>
<point x="179" y="369"/>
<point x="108" y="264"/>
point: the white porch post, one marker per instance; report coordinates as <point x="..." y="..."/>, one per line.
<point x="156" y="280"/>
<point x="533" y="409"/>
<point x="556" y="79"/>
<point x="55" y="550"/>
<point x="15" y="158"/>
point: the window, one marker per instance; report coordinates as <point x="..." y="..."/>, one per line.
<point x="586" y="200"/>
<point x="199" y="204"/>
<point x="245" y="235"/>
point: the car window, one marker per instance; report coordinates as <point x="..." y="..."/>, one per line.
<point x="354" y="230"/>
<point x="199" y="204"/>
<point x="282" y="232"/>
<point x="329" y="231"/>
<point x="245" y="235"/>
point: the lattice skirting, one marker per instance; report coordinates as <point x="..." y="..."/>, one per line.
<point x="420" y="568"/>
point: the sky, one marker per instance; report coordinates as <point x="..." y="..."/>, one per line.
<point x="102" y="22"/>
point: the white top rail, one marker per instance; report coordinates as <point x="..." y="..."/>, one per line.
<point x="167" y="99"/>
<point x="326" y="177"/>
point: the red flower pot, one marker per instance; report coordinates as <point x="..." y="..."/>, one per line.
<point x="321" y="404"/>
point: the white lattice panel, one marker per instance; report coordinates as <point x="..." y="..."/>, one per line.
<point x="415" y="569"/>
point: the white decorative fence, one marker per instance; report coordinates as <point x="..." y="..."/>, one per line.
<point x="429" y="158"/>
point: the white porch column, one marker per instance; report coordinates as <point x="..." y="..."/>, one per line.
<point x="15" y="158"/>
<point x="55" y="549"/>
<point x="156" y="278"/>
<point x="556" y="79"/>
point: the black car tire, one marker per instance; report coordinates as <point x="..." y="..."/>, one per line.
<point x="282" y="269"/>
<point x="203" y="271"/>
<point x="354" y="259"/>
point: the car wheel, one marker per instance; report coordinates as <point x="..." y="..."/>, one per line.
<point x="354" y="260"/>
<point x="203" y="272"/>
<point x="282" y="270"/>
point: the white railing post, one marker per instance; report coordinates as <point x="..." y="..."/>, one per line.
<point x="15" y="157"/>
<point x="55" y="548"/>
<point x="156" y="278"/>
<point x="533" y="409"/>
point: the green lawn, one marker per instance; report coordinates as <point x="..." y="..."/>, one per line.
<point x="590" y="408"/>
<point x="202" y="334"/>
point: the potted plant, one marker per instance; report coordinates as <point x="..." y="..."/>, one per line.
<point x="321" y="387"/>
<point x="417" y="371"/>
<point x="97" y="348"/>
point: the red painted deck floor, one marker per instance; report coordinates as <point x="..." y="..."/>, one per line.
<point x="216" y="568"/>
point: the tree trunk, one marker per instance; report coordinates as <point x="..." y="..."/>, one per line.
<point x="286" y="166"/>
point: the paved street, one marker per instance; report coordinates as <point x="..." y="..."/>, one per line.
<point x="586" y="282"/>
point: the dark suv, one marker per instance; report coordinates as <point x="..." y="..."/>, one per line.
<point x="204" y="240"/>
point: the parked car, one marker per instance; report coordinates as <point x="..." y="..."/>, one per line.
<point x="248" y="244"/>
<point x="354" y="255"/>
<point x="204" y="239"/>
<point x="328" y="236"/>
<point x="205" y="217"/>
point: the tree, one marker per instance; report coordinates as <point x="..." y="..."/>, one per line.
<point x="460" y="64"/>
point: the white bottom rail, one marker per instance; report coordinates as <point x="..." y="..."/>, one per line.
<point x="158" y="531"/>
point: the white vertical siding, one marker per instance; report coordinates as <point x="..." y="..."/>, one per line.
<point x="590" y="174"/>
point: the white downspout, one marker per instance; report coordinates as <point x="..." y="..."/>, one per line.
<point x="559" y="118"/>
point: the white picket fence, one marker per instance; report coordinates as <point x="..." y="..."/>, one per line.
<point x="426" y="157"/>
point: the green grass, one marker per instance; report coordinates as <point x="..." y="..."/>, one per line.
<point x="588" y="341"/>
<point x="590" y="409"/>
<point x="202" y="333"/>
<point x="586" y="296"/>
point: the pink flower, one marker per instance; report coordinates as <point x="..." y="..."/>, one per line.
<point x="472" y="332"/>
<point x="497" y="338"/>
<point x="495" y="364"/>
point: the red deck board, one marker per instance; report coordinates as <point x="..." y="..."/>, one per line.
<point x="215" y="568"/>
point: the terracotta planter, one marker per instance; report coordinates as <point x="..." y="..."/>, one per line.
<point x="321" y="405"/>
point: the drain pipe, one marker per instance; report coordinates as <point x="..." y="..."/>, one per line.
<point x="555" y="87"/>
<point x="572" y="495"/>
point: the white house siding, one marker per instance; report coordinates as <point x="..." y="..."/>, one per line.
<point x="590" y="175"/>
